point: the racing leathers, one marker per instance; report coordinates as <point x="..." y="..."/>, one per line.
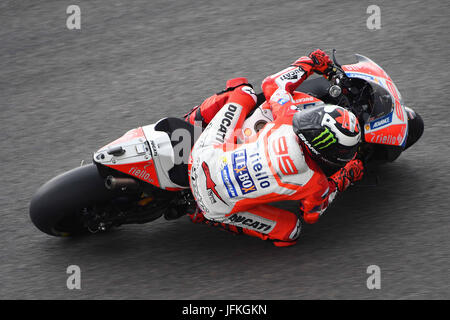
<point x="279" y="87"/>
<point x="233" y="183"/>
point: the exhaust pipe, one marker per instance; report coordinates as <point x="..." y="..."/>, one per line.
<point x="122" y="184"/>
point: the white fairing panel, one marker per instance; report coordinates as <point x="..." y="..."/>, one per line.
<point x="256" y="122"/>
<point x="138" y="148"/>
<point x="162" y="153"/>
<point x="135" y="150"/>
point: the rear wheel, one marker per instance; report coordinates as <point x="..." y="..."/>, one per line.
<point x="56" y="208"/>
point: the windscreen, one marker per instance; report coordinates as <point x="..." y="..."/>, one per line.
<point x="381" y="102"/>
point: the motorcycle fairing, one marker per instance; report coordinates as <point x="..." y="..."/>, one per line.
<point x="144" y="171"/>
<point x="163" y="156"/>
<point x="147" y="155"/>
<point x="389" y="128"/>
<point x="135" y="159"/>
<point x="130" y="136"/>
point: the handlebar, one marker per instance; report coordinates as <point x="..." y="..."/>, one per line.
<point x="341" y="85"/>
<point x="336" y="72"/>
<point x="339" y="81"/>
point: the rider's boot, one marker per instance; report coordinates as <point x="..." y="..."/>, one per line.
<point x="203" y="113"/>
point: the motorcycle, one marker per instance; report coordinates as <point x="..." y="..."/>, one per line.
<point x="143" y="175"/>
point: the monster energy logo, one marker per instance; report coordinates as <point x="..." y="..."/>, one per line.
<point x="324" y="137"/>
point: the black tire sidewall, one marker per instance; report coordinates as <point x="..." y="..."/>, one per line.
<point x="55" y="207"/>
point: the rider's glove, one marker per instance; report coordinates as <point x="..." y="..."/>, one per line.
<point x="322" y="63"/>
<point x="352" y="172"/>
<point x="317" y="61"/>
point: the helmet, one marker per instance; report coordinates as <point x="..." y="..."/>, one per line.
<point x="330" y="133"/>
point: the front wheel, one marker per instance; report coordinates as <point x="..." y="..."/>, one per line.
<point x="57" y="205"/>
<point x="381" y="153"/>
<point x="415" y="127"/>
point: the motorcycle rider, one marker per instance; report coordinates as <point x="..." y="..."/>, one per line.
<point x="232" y="183"/>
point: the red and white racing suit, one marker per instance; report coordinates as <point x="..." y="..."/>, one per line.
<point x="279" y="87"/>
<point x="233" y="183"/>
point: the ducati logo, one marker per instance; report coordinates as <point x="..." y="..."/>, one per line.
<point x="225" y="123"/>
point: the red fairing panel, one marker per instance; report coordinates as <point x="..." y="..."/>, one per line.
<point x="391" y="135"/>
<point x="144" y="171"/>
<point x="130" y="135"/>
<point x="391" y="129"/>
<point x="367" y="68"/>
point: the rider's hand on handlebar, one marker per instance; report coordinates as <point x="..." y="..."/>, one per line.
<point x="353" y="171"/>
<point x="322" y="62"/>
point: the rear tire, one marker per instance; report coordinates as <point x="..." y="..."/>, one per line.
<point x="56" y="206"/>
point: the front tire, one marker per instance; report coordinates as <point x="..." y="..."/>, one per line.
<point x="57" y="205"/>
<point x="415" y="127"/>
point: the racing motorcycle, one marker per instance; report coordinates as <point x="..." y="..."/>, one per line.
<point x="139" y="177"/>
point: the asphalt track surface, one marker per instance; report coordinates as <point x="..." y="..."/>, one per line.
<point x="64" y="93"/>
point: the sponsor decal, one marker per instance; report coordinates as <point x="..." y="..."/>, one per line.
<point x="248" y="132"/>
<point x="359" y="75"/>
<point x="352" y="67"/>
<point x="225" y="122"/>
<point x="386" y="139"/>
<point x="210" y="185"/>
<point x="398" y="107"/>
<point x="399" y="110"/>
<point x="303" y="100"/>
<point x="325" y="139"/>
<point x="285" y="163"/>
<point x="280" y="95"/>
<point x="250" y="92"/>
<point x="283" y="101"/>
<point x="303" y="106"/>
<point x="211" y="196"/>
<point x="305" y="141"/>
<point x="250" y="221"/>
<point x="292" y="75"/>
<point x="154" y="148"/>
<point x="227" y="181"/>
<point x="141" y="174"/>
<point x="262" y="178"/>
<point x="243" y="178"/>
<point x="381" y="122"/>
